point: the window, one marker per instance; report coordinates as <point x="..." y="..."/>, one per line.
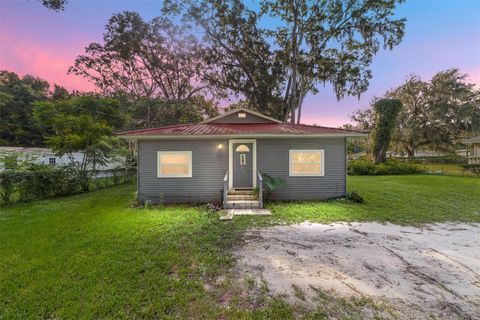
<point x="242" y="148"/>
<point x="52" y="161"/>
<point x="174" y="164"/>
<point x="307" y="163"/>
<point x="242" y="115"/>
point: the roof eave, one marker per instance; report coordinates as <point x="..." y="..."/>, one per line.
<point x="243" y="135"/>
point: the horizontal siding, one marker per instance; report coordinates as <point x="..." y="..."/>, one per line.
<point x="273" y="159"/>
<point x="233" y="118"/>
<point x="209" y="165"/>
<point x="208" y="169"/>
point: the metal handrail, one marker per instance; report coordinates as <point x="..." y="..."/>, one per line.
<point x="260" y="189"/>
<point x="225" y="190"/>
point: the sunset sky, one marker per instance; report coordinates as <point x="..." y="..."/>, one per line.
<point x="439" y="35"/>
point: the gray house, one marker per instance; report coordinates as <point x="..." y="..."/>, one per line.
<point x="223" y="159"/>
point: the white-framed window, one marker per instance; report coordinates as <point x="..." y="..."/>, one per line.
<point x="52" y="161"/>
<point x="174" y="164"/>
<point x="242" y="115"/>
<point x="307" y="163"/>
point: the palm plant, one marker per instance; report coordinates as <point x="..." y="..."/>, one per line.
<point x="272" y="183"/>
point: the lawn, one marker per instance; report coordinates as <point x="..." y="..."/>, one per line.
<point x="398" y="199"/>
<point x="92" y="256"/>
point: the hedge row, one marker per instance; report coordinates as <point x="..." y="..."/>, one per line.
<point x="367" y="168"/>
<point x="453" y="159"/>
<point x="43" y="184"/>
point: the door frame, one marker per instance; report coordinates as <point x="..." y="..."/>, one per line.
<point x="230" y="160"/>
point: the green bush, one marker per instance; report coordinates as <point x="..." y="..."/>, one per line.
<point x="453" y="159"/>
<point x="44" y="182"/>
<point x="366" y="168"/>
<point x="354" y="197"/>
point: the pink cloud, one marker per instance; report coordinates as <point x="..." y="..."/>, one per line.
<point x="27" y="56"/>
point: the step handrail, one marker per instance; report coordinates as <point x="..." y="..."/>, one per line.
<point x="225" y="190"/>
<point x="260" y="189"/>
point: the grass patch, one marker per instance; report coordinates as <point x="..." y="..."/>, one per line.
<point x="92" y="256"/>
<point x="404" y="200"/>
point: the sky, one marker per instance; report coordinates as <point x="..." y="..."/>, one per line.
<point x="440" y="34"/>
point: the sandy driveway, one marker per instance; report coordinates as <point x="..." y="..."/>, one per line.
<point x="433" y="271"/>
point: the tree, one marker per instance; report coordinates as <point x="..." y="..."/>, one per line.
<point x="54" y="5"/>
<point x="436" y="113"/>
<point x="17" y="95"/>
<point x="454" y="106"/>
<point x="313" y="42"/>
<point x="147" y="113"/>
<point x="144" y="59"/>
<point x="386" y="112"/>
<point x="364" y="119"/>
<point x="59" y="92"/>
<point x="239" y="57"/>
<point x="81" y="124"/>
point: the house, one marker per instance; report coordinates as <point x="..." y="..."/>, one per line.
<point x="223" y="158"/>
<point x="473" y="149"/>
<point x="11" y="156"/>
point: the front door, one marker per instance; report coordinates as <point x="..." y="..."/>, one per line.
<point x="242" y="165"/>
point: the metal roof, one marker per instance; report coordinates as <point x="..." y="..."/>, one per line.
<point x="226" y="129"/>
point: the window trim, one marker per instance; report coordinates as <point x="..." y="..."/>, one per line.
<point x="159" y="166"/>
<point x="308" y="174"/>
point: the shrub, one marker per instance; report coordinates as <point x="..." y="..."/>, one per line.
<point x="437" y="160"/>
<point x="354" y="197"/>
<point x="365" y="168"/>
<point x="272" y="184"/>
<point x="45" y="182"/>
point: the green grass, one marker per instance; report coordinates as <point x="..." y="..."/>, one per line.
<point x="92" y="256"/>
<point x="413" y="199"/>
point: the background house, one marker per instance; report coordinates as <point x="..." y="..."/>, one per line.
<point x="48" y="157"/>
<point x="473" y="149"/>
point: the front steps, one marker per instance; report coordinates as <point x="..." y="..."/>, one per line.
<point x="242" y="199"/>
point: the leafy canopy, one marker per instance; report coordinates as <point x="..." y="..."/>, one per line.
<point x="17" y="96"/>
<point x="274" y="65"/>
<point x="82" y="124"/>
<point x="144" y="59"/>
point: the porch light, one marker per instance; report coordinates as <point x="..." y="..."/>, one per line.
<point x="220" y="146"/>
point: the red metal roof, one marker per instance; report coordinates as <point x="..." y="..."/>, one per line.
<point x="238" y="129"/>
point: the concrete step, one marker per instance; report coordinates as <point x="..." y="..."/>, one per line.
<point x="241" y="197"/>
<point x="243" y="204"/>
<point x="237" y="192"/>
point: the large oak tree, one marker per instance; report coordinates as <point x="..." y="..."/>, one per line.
<point x="144" y="59"/>
<point x="276" y="55"/>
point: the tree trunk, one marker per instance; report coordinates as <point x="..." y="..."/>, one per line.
<point x="293" y="65"/>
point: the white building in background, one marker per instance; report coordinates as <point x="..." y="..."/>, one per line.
<point x="48" y="157"/>
<point x="473" y="149"/>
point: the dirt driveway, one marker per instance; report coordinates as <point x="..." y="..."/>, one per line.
<point x="419" y="273"/>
